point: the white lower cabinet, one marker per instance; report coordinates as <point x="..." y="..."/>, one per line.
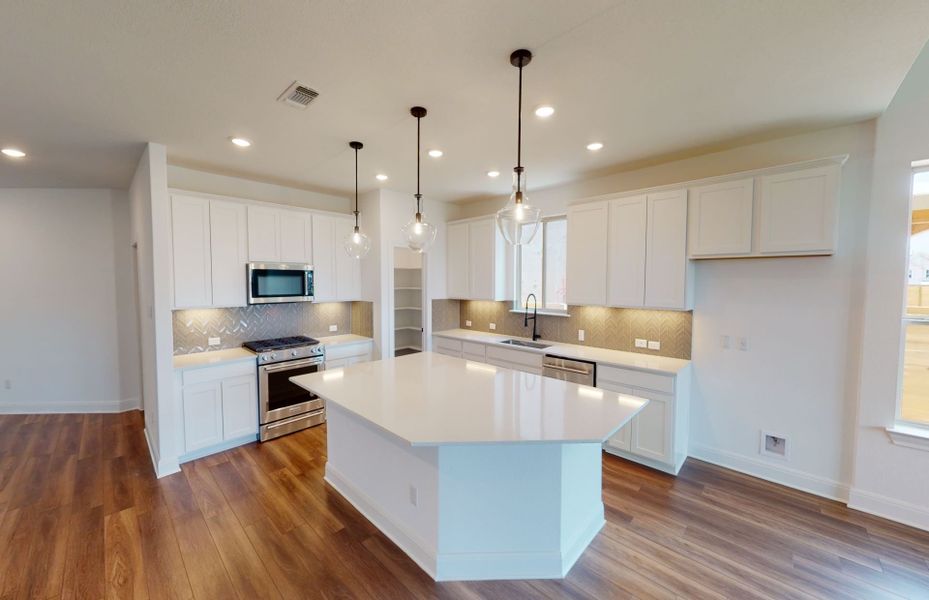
<point x="219" y="408"/>
<point x="343" y="355"/>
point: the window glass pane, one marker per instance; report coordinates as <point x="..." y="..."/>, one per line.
<point x="914" y="403"/>
<point x="556" y="247"/>
<point x="530" y="273"/>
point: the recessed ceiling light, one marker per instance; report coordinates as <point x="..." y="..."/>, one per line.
<point x="13" y="152"/>
<point x="493" y="173"/>
<point x="594" y="146"/>
<point x="435" y="153"/>
<point x="545" y="111"/>
<point x="381" y="177"/>
<point x="240" y="142"/>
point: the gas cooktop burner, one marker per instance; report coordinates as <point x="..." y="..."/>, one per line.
<point x="285" y="343"/>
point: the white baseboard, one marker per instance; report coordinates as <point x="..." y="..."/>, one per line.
<point x="775" y="473"/>
<point x="29" y="408"/>
<point x="162" y="467"/>
<point x="889" y="508"/>
<point x="239" y="441"/>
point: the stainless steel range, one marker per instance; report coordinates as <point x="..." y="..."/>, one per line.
<point x="284" y="407"/>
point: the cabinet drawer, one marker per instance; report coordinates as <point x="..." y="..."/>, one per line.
<point x="348" y="350"/>
<point x="517" y="357"/>
<point x="205" y="374"/>
<point x="515" y="366"/>
<point x="639" y="379"/>
<point x="447" y="346"/>
<point x="473" y="351"/>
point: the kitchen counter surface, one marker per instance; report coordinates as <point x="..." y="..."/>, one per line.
<point x="618" y="358"/>
<point x="343" y="340"/>
<point x="430" y="399"/>
<point x="198" y="360"/>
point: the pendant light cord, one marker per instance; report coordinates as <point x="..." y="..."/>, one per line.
<point x="519" y="139"/>
<point x="356" y="189"/>
<point x="418" y="152"/>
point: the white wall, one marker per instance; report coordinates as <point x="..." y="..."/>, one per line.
<point x="68" y="320"/>
<point x="891" y="480"/>
<point x="225" y="185"/>
<point x="801" y="316"/>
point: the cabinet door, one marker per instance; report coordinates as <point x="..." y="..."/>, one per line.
<point x="626" y="260"/>
<point x="229" y="252"/>
<point x="483" y="268"/>
<point x="335" y="363"/>
<point x="324" y="282"/>
<point x="720" y="219"/>
<point x="190" y="231"/>
<point x="240" y="407"/>
<point x="797" y="211"/>
<point x="587" y="253"/>
<point x="203" y="415"/>
<point x="458" y="261"/>
<point x="264" y="243"/>
<point x="653" y="427"/>
<point x="622" y="439"/>
<point x="666" y="266"/>
<point x="293" y="236"/>
<point x="347" y="269"/>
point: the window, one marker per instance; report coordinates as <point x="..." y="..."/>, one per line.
<point x="914" y="401"/>
<point x="541" y="267"/>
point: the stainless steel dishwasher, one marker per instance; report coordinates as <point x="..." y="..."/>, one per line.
<point x="569" y="369"/>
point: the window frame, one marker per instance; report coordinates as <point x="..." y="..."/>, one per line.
<point x="518" y="267"/>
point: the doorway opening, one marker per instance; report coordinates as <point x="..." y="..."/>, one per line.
<point x="408" y="301"/>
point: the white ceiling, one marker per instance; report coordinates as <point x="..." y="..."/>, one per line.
<point x="83" y="84"/>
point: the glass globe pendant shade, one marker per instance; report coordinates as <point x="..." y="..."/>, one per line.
<point x="357" y="244"/>
<point x="419" y="233"/>
<point x="518" y="221"/>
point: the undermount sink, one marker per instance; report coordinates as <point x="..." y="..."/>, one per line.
<point x="525" y="344"/>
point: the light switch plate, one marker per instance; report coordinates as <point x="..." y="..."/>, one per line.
<point x="213" y="341"/>
<point x="493" y="326"/>
<point x="743" y="344"/>
<point x="333" y="328"/>
<point x="467" y="323"/>
<point x="724" y="342"/>
<point x="653" y="345"/>
<point x="640" y="343"/>
<point x="580" y="335"/>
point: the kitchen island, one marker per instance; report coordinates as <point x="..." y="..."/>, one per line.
<point x="475" y="471"/>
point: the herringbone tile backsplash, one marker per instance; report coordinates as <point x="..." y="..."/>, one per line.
<point x="613" y="328"/>
<point x="193" y="328"/>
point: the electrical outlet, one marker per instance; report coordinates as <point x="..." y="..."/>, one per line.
<point x="640" y="343"/>
<point x="493" y="326"/>
<point x="414" y="495"/>
<point x="8" y="384"/>
<point x="467" y="323"/>
<point x="333" y="328"/>
<point x="580" y="335"/>
<point x="743" y="344"/>
<point x="653" y="345"/>
<point x="724" y="342"/>
<point x="213" y="341"/>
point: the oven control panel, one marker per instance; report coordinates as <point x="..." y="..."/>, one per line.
<point x="275" y="356"/>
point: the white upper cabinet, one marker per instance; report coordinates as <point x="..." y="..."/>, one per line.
<point x="667" y="270"/>
<point x="721" y="219"/>
<point x="229" y="252"/>
<point x="336" y="275"/>
<point x="797" y="211"/>
<point x="588" y="231"/>
<point x="190" y="230"/>
<point x="626" y="260"/>
<point x="458" y="261"/>
<point x="264" y="234"/>
<point x="296" y="236"/>
<point x="477" y="261"/>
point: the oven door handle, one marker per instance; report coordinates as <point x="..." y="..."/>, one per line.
<point x="568" y="369"/>
<point x="291" y="365"/>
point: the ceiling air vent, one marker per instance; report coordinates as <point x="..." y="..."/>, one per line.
<point x="298" y="95"/>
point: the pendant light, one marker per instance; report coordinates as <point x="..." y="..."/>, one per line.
<point x="419" y="233"/>
<point x="357" y="244"/>
<point x="518" y="221"/>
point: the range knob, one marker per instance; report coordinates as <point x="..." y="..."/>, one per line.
<point x="273" y="356"/>
<point x="293" y="353"/>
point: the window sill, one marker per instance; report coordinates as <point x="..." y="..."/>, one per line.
<point x="542" y="313"/>
<point x="910" y="436"/>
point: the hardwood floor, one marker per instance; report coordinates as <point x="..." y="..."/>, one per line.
<point x="82" y="516"/>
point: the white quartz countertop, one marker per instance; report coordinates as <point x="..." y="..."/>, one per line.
<point x="618" y="358"/>
<point x="213" y="358"/>
<point x="343" y="340"/>
<point x="429" y="399"/>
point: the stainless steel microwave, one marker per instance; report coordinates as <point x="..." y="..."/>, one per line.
<point x="274" y="283"/>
